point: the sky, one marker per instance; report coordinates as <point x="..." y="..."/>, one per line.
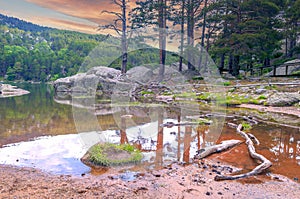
<point x="78" y="15"/>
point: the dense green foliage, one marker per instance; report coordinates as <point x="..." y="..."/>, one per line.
<point x="48" y="54"/>
<point x="41" y="56"/>
<point x="237" y="34"/>
<point x="20" y="24"/>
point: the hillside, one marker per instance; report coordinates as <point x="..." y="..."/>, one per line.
<point x="20" y="24"/>
<point x="29" y="52"/>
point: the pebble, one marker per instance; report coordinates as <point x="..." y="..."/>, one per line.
<point x="208" y="193"/>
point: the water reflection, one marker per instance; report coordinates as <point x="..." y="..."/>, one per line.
<point x="37" y="114"/>
<point x="33" y="115"/>
<point x="61" y="154"/>
<point x="281" y="145"/>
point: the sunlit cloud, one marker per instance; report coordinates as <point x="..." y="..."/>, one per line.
<point x="78" y="15"/>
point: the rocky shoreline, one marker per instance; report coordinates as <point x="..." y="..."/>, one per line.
<point x="7" y="90"/>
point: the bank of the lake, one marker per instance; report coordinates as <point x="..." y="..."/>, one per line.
<point x="38" y="114"/>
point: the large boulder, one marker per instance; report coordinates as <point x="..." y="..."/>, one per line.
<point x="97" y="79"/>
<point x="140" y="74"/>
<point x="283" y="99"/>
<point x="104" y="72"/>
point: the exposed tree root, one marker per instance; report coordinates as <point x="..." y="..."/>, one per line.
<point x="265" y="163"/>
<point x="202" y="153"/>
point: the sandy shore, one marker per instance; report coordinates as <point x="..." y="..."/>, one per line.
<point x="193" y="181"/>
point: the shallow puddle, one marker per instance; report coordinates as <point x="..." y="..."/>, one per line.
<point x="61" y="154"/>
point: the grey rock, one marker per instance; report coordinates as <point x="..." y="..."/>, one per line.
<point x="96" y="79"/>
<point x="260" y="91"/>
<point x="104" y="72"/>
<point x="228" y="76"/>
<point x="140" y="74"/>
<point x="283" y="99"/>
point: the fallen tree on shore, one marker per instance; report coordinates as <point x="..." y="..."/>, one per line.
<point x="225" y="145"/>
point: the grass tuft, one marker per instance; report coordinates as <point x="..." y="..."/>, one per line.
<point x="108" y="154"/>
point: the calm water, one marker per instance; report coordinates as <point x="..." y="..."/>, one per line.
<point x="38" y="130"/>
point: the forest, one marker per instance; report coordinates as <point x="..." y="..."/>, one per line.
<point x="236" y="34"/>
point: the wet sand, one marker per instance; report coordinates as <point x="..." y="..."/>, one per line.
<point x="193" y="181"/>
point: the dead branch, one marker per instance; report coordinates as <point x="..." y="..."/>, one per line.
<point x="227" y="144"/>
<point x="253" y="138"/>
<point x="250" y="119"/>
<point x="265" y="163"/>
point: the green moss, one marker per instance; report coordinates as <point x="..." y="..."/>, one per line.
<point x="205" y="96"/>
<point x="197" y="78"/>
<point x="255" y="101"/>
<point x="262" y="97"/>
<point x="246" y="126"/>
<point x="227" y="83"/>
<point x="232" y="102"/>
<point x="231" y="90"/>
<point x="271" y="87"/>
<point x="107" y="154"/>
<point x="146" y="93"/>
<point x="296" y="72"/>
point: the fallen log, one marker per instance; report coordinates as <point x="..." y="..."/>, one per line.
<point x="227" y="144"/>
<point x="265" y="163"/>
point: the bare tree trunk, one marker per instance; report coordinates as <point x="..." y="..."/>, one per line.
<point x="203" y="34"/>
<point x="124" y="38"/>
<point x="162" y="36"/>
<point x="236" y="67"/>
<point x="190" y="32"/>
<point x="230" y="63"/>
<point x="222" y="63"/>
<point x="182" y="35"/>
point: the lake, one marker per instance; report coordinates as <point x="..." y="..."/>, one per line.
<point x="45" y="131"/>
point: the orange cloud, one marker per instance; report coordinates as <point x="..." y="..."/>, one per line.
<point x="89" y="10"/>
<point x="86" y="9"/>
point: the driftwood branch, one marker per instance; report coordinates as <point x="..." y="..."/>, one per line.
<point x="265" y="163"/>
<point x="172" y="124"/>
<point x="253" y="138"/>
<point x="202" y="153"/>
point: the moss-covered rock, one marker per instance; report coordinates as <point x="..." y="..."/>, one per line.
<point x="107" y="154"/>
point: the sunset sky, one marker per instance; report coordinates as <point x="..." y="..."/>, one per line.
<point x="79" y="15"/>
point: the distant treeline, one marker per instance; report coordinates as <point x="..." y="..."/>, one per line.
<point x="33" y="53"/>
<point x="236" y="34"/>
